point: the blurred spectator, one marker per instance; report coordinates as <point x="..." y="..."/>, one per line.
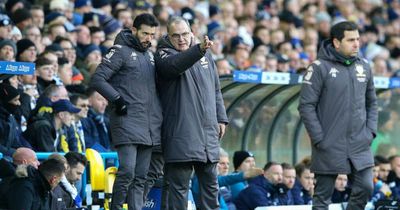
<point x="34" y="186"/>
<point x="96" y="114"/>
<point x="5" y="27"/>
<point x="103" y="5"/>
<point x="21" y="156"/>
<point x="8" y="50"/>
<point x="49" y="134"/>
<point x="125" y="17"/>
<point x="82" y="102"/>
<point x="26" y="51"/>
<point x="22" y="18"/>
<point x="33" y="33"/>
<point x="66" y="191"/>
<point x="9" y="128"/>
<point x="384" y="168"/>
<point x="288" y="179"/>
<point x="303" y="189"/>
<point x="242" y="161"/>
<point x="380" y="67"/>
<point x="264" y="190"/>
<point x="223" y="66"/>
<point x="342" y="191"/>
<point x="37" y="14"/>
<point x="97" y="35"/>
<point x="393" y="178"/>
<point x="64" y="72"/>
<point x="385" y="125"/>
<point x="45" y="71"/>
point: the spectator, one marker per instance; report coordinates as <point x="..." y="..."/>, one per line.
<point x="5" y="27"/>
<point x="21" y="156"/>
<point x="81" y="102"/>
<point x="288" y="179"/>
<point x="48" y="134"/>
<point x="393" y="179"/>
<point x="45" y="71"/>
<point x="263" y="190"/>
<point x="384" y="168"/>
<point x="8" y="50"/>
<point x="381" y="189"/>
<point x="37" y="14"/>
<point x="34" y="187"/>
<point x="242" y="161"/>
<point x="100" y="142"/>
<point x="223" y="66"/>
<point x="66" y="190"/>
<point x="26" y="51"/>
<point x="9" y="128"/>
<point x="303" y="189"/>
<point x="22" y="18"/>
<point x="342" y="191"/>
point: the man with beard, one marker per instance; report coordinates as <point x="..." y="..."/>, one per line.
<point x="126" y="78"/>
<point x="341" y="131"/>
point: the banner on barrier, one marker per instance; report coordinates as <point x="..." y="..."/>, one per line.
<point x="7" y="67"/>
<point x="294" y="79"/>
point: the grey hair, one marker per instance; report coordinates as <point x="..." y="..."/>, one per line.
<point x="176" y="19"/>
<point x="223" y="153"/>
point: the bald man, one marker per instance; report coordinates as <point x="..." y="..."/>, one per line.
<point x="25" y="156"/>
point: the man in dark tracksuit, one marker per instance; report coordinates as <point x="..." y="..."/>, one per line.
<point x="194" y="115"/>
<point x="339" y="109"/>
<point x="126" y="77"/>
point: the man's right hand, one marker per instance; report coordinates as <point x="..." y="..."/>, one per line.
<point x="205" y="44"/>
<point x="121" y="107"/>
<point x="252" y="172"/>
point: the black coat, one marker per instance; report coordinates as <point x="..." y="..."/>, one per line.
<point x="338" y="107"/>
<point x="192" y="104"/>
<point x="128" y="71"/>
<point x="30" y="191"/>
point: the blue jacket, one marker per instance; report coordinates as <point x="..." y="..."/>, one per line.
<point x="104" y="137"/>
<point x="300" y="195"/>
<point x="260" y="192"/>
<point x="225" y="195"/>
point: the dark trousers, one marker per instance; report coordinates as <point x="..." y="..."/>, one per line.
<point x="178" y="176"/>
<point x="134" y="161"/>
<point x="155" y="172"/>
<point x="361" y="184"/>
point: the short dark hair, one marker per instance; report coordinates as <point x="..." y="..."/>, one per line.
<point x="300" y="168"/>
<point x="378" y="159"/>
<point x="287" y="166"/>
<point x="145" y="19"/>
<point x="42" y="61"/>
<point x="51" y="167"/>
<point x="337" y="30"/>
<point x="74" y="98"/>
<point x="270" y="164"/>
<point x="73" y="158"/>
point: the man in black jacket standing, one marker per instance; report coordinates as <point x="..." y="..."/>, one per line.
<point x="194" y="114"/>
<point x="339" y="109"/>
<point x="126" y="78"/>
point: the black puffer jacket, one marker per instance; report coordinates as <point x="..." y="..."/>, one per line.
<point x="128" y="71"/>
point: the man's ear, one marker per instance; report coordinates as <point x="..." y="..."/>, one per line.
<point x="336" y="43"/>
<point x="134" y="30"/>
